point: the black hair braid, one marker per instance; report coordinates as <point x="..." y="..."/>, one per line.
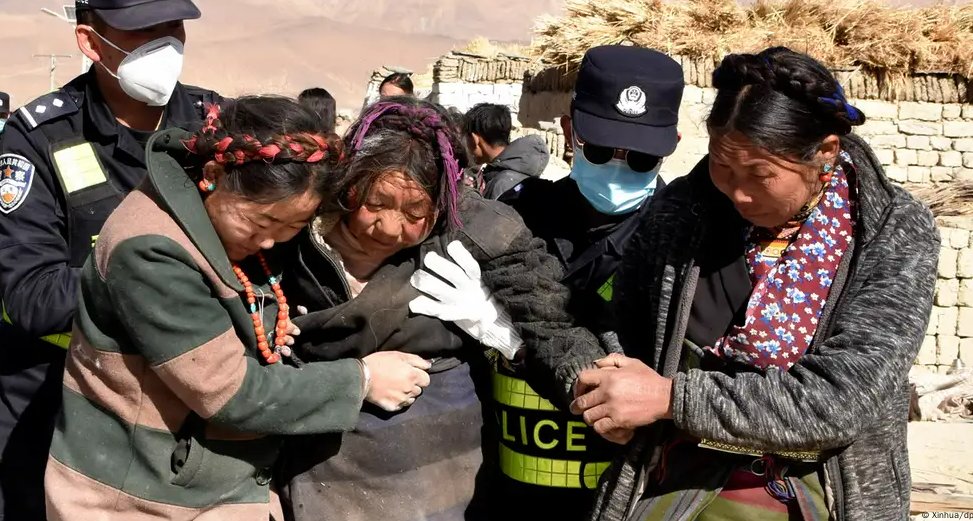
<point x="737" y="71"/>
<point x="270" y="148"/>
<point x="795" y="76"/>
<point x="812" y="83"/>
<point x="782" y="101"/>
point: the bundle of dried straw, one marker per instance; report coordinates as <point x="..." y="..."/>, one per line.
<point x="841" y="33"/>
<point x="946" y="199"/>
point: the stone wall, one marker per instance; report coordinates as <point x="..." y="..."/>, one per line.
<point x="462" y="80"/>
<point x="917" y="142"/>
<point x="920" y="126"/>
<point x="950" y="332"/>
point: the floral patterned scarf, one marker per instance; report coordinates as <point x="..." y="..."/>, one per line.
<point x="790" y="291"/>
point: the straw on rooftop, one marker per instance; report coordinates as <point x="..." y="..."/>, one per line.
<point x="482" y="46"/>
<point x="841" y="33"/>
<point x="946" y="199"/>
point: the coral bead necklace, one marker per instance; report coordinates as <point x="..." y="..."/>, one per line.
<point x="272" y="356"/>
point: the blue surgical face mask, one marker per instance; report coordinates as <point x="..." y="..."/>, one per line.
<point x="613" y="188"/>
<point x="3" y="123"/>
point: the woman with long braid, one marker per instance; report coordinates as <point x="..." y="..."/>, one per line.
<point x="398" y="204"/>
<point x="174" y="384"/>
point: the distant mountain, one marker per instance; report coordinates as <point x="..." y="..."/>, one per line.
<point x="460" y="19"/>
<point x="282" y="46"/>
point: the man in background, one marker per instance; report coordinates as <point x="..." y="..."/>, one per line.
<point x="321" y="102"/>
<point x="396" y="84"/>
<point x="503" y="164"/>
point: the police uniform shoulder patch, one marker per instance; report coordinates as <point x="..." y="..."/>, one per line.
<point x="631" y="102"/>
<point x="16" y="178"/>
<point x="202" y="98"/>
<point x="47" y="108"/>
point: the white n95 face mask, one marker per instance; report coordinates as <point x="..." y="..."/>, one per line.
<point x="150" y="72"/>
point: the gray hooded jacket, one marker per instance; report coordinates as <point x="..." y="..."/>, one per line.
<point x="847" y="397"/>
<point x="523" y="158"/>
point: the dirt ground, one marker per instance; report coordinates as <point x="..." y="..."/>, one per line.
<point x="941" y="457"/>
<point x="942" y="453"/>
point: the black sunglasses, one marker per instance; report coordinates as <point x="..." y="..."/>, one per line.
<point x="637" y="161"/>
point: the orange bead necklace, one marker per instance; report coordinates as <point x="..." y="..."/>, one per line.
<point x="283" y="319"/>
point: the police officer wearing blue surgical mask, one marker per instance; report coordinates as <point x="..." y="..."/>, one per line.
<point x="622" y="125"/>
<point x="66" y="160"/>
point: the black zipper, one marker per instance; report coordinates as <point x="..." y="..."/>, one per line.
<point x="683" y="310"/>
<point x="690" y="280"/>
<point x="834" y="472"/>
<point x="334" y="264"/>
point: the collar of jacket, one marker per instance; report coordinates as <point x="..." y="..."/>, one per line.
<point x="99" y="116"/>
<point x="875" y="191"/>
<point x="527" y="155"/>
<point x="179" y="196"/>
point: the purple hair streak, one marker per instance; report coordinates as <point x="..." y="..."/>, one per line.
<point x="425" y="119"/>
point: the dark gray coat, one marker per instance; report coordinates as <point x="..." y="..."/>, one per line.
<point x="392" y="466"/>
<point x="848" y="396"/>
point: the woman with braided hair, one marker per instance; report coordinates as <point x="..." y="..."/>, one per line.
<point x="769" y="308"/>
<point x="396" y="205"/>
<point x="175" y="393"/>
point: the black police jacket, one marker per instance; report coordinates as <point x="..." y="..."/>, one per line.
<point x="556" y="212"/>
<point x="65" y="164"/>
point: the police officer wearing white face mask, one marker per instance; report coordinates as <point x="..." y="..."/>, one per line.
<point x="623" y="120"/>
<point x="66" y="160"/>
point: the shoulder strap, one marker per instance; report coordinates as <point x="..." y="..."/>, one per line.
<point x="49" y="107"/>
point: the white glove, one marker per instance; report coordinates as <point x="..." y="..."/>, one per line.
<point x="467" y="302"/>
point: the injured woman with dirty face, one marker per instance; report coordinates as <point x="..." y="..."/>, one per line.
<point x="399" y="206"/>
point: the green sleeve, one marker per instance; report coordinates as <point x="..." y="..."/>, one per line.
<point x="175" y="318"/>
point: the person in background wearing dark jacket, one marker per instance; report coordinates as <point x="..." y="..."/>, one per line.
<point x="321" y="102"/>
<point x="396" y="84"/>
<point x="399" y="206"/>
<point x="770" y="307"/>
<point x="66" y="161"/>
<point x="503" y="165"/>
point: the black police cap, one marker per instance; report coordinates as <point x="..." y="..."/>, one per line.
<point x="132" y="15"/>
<point x="628" y="97"/>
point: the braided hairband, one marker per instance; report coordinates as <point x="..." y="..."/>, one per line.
<point x="253" y="148"/>
<point x="839" y="101"/>
<point x="269" y="152"/>
<point x="429" y="117"/>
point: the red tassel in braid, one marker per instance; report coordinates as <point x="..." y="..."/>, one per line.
<point x="230" y="150"/>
